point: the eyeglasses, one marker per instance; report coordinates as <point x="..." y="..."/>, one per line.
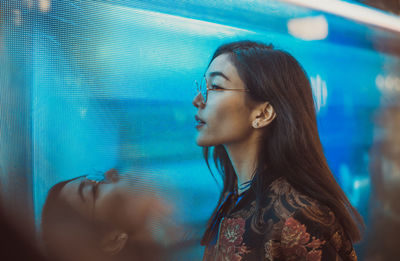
<point x="100" y="177"/>
<point x="97" y="178"/>
<point x="203" y="89"/>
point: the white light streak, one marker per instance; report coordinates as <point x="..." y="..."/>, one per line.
<point x="309" y="28"/>
<point x="179" y="23"/>
<point x="388" y="83"/>
<point x="363" y="14"/>
<point x="320" y="91"/>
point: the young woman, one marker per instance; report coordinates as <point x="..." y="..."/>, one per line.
<point x="279" y="200"/>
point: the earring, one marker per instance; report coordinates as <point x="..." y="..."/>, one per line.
<point x="255" y="124"/>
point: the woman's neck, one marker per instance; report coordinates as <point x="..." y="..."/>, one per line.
<point x="244" y="160"/>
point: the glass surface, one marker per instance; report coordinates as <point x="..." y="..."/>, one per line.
<point x="91" y="85"/>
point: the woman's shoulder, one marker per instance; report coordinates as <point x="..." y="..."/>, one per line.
<point x="284" y="200"/>
<point x="302" y="223"/>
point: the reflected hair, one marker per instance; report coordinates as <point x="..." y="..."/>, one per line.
<point x="290" y="146"/>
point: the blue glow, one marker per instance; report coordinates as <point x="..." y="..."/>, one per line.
<point x="111" y="85"/>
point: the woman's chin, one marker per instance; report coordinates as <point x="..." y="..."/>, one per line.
<point x="200" y="141"/>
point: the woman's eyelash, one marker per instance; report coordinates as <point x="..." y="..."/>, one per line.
<point x="214" y="86"/>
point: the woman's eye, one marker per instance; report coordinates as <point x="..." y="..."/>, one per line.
<point x="213" y="86"/>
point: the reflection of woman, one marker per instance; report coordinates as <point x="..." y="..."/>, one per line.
<point x="279" y="201"/>
<point x="96" y="218"/>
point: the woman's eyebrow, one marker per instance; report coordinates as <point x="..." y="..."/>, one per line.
<point x="217" y="73"/>
<point x="80" y="189"/>
<point x="94" y="189"/>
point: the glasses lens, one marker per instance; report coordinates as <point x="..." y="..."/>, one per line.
<point x="199" y="89"/>
<point x="97" y="177"/>
<point x="196" y="88"/>
<point x="203" y="89"/>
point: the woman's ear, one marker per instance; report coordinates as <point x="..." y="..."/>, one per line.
<point x="265" y="114"/>
<point x="113" y="242"/>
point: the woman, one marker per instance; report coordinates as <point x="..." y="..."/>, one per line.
<point x="279" y="200"/>
<point x="96" y="217"/>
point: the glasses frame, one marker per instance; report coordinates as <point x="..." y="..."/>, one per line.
<point x="96" y="179"/>
<point x="204" y="91"/>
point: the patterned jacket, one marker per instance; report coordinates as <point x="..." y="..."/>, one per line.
<point x="293" y="227"/>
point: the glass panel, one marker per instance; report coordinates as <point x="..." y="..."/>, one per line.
<point x="91" y="85"/>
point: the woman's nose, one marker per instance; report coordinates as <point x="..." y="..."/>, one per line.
<point x="198" y="101"/>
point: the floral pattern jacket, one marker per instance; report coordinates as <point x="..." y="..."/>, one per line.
<point x="295" y="227"/>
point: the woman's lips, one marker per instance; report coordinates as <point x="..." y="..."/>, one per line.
<point x="199" y="122"/>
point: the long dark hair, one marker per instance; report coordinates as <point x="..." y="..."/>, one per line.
<point x="290" y="146"/>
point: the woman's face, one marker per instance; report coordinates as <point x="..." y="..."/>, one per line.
<point x="226" y="116"/>
<point x="99" y="210"/>
<point x="91" y="199"/>
<point x="93" y="204"/>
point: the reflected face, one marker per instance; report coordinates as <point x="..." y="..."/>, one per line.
<point x="93" y="200"/>
<point x="89" y="220"/>
<point x="87" y="207"/>
<point x="225" y="118"/>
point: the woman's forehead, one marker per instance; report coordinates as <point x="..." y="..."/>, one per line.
<point x="223" y="64"/>
<point x="70" y="191"/>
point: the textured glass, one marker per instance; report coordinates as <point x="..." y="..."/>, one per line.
<point x="88" y="86"/>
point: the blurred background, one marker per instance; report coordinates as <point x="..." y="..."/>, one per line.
<point x="91" y="85"/>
